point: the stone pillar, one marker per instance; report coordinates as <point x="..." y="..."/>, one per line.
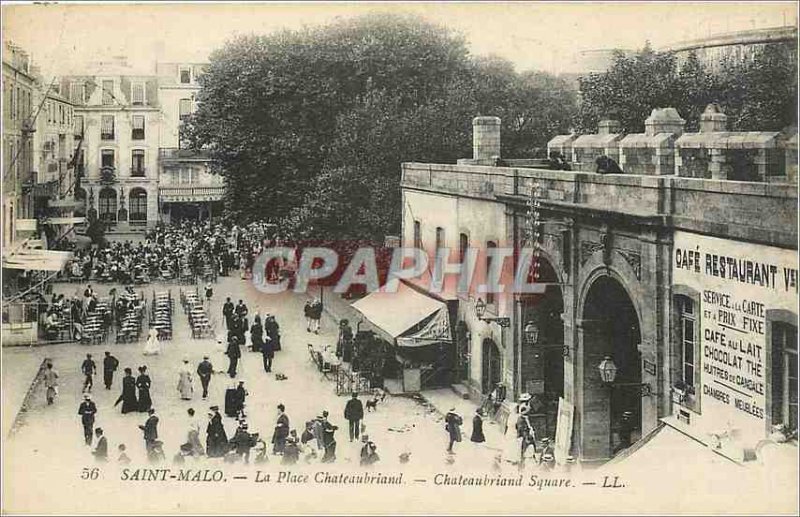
<point x="718" y="168"/>
<point x="609" y="127"/>
<point x="665" y="160"/>
<point x="713" y="120"/>
<point x="485" y="138"/>
<point x="762" y="163"/>
<point x="664" y="120"/>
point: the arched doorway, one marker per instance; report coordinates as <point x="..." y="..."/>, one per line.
<point x="107" y="205"/>
<point x="542" y="361"/>
<point x="612" y="415"/>
<point x="491" y="366"/>
<point x="137" y="205"/>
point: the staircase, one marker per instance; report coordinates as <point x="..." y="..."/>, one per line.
<point x="461" y="389"/>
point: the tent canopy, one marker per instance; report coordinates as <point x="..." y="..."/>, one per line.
<point x="30" y="258"/>
<point x="397" y="313"/>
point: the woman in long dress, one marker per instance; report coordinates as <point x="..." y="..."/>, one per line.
<point x="185" y="386"/>
<point x="512" y="449"/>
<point x="128" y="396"/>
<point x="143" y="383"/>
<point x="216" y="438"/>
<point x="153" y="345"/>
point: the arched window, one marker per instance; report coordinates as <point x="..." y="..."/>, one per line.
<point x="137" y="202"/>
<point x="108" y="205"/>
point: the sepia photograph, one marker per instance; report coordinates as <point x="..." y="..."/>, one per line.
<point x="400" y="258"/>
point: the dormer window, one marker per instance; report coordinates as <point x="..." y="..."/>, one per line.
<point x="185" y="75"/>
<point x="137" y="94"/>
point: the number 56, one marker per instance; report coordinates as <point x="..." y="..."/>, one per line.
<point x="92" y="474"/>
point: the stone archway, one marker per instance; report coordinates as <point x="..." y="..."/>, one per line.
<point x="612" y="415"/>
<point x="491" y="365"/>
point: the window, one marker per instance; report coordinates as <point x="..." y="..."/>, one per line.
<point x="490" y="297"/>
<point x="417" y="235"/>
<point x="784" y="374"/>
<point x="463" y="244"/>
<point x="108" y="92"/>
<point x="185" y="175"/>
<point x="688" y="341"/>
<point x="107" y="158"/>
<point x="107" y="205"/>
<point x="137" y="124"/>
<point x="185" y="75"/>
<point x="137" y="201"/>
<point x="137" y="93"/>
<point x="185" y="108"/>
<point x="76" y="92"/>
<point x="107" y="127"/>
<point x="78" y="124"/>
<point x="137" y="163"/>
<point x="439" y="238"/>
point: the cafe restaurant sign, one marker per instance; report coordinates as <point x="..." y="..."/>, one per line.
<point x="737" y="283"/>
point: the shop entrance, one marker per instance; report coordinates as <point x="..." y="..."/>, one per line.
<point x="612" y="415"/>
<point x="491" y="369"/>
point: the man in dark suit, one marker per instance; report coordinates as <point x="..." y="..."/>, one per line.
<point x="234" y="353"/>
<point x="150" y="429"/>
<point x="87" y="411"/>
<point x="353" y="413"/>
<point x="100" y="452"/>
<point x="204" y="371"/>
<point x="110" y="364"/>
<point x="89" y="368"/>
<point x="227" y="312"/>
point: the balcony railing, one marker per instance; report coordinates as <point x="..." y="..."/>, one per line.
<point x="138" y="173"/>
<point x="173" y="153"/>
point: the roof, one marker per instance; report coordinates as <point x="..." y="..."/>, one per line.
<point x="597" y="140"/>
<point x="395" y="313"/>
<point x="729" y="140"/>
<point x="642" y="140"/>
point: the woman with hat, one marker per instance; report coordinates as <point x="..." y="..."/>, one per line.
<point x="185" y="386"/>
<point x="128" y="396"/>
<point x="143" y="383"/>
<point x="453" y="423"/>
<point x="512" y="442"/>
<point x="477" y="427"/>
<point x="216" y="439"/>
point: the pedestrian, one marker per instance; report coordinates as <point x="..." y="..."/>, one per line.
<point x="319" y="432"/>
<point x="204" y="371"/>
<point x="193" y="434"/>
<point x="526" y="433"/>
<point x="307" y="312"/>
<point x="453" y="423"/>
<point x="227" y="312"/>
<point x="512" y="443"/>
<point x="369" y="456"/>
<point x="273" y="331"/>
<point x="234" y="353"/>
<point x="239" y="399"/>
<point x="477" y="427"/>
<point x="216" y="439"/>
<point x="110" y="364"/>
<point x="87" y="410"/>
<point x="143" y="383"/>
<point x="328" y="439"/>
<point x="241" y="311"/>
<point x="89" y="368"/>
<point x="242" y="441"/>
<point x="281" y="431"/>
<point x="123" y="458"/>
<point x="209" y="293"/>
<point x="185" y="381"/>
<point x="267" y="353"/>
<point x="291" y="453"/>
<point x="354" y="413"/>
<point x="100" y="451"/>
<point x="51" y="383"/>
<point x="128" y="396"/>
<point x="152" y="346"/>
<point x="150" y="429"/>
<point x="316" y="315"/>
<point x="344" y="346"/>
<point x="256" y="335"/>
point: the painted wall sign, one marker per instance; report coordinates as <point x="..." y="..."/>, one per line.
<point x="737" y="284"/>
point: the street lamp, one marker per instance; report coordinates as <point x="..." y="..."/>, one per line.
<point x="608" y="373"/>
<point x="480" y="312"/>
<point x="531" y="336"/>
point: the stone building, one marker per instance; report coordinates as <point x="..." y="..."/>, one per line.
<point x="186" y="188"/>
<point x="117" y="115"/>
<point x="19" y="89"/>
<point x="641" y="274"/>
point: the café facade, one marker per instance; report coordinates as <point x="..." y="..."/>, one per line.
<point x="665" y="300"/>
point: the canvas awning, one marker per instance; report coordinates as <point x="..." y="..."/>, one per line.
<point x="397" y="314"/>
<point x="30" y="258"/>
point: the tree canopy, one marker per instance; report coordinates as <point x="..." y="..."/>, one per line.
<point x="758" y="94"/>
<point x="310" y="127"/>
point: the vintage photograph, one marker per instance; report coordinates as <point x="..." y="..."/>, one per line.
<point x="416" y="258"/>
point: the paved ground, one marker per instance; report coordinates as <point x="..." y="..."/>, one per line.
<point x="43" y="463"/>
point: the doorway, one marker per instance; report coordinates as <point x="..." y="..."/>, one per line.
<point x="491" y="370"/>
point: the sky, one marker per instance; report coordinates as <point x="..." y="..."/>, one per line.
<point x="533" y="35"/>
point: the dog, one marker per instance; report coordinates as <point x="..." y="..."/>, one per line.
<point x="378" y="395"/>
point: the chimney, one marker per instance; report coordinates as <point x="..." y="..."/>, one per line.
<point x="609" y="127"/>
<point x="485" y="138"/>
<point x="713" y="119"/>
<point x="664" y="120"/>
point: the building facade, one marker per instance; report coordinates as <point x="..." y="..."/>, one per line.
<point x="186" y="188"/>
<point x="641" y="275"/>
<point x="19" y="91"/>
